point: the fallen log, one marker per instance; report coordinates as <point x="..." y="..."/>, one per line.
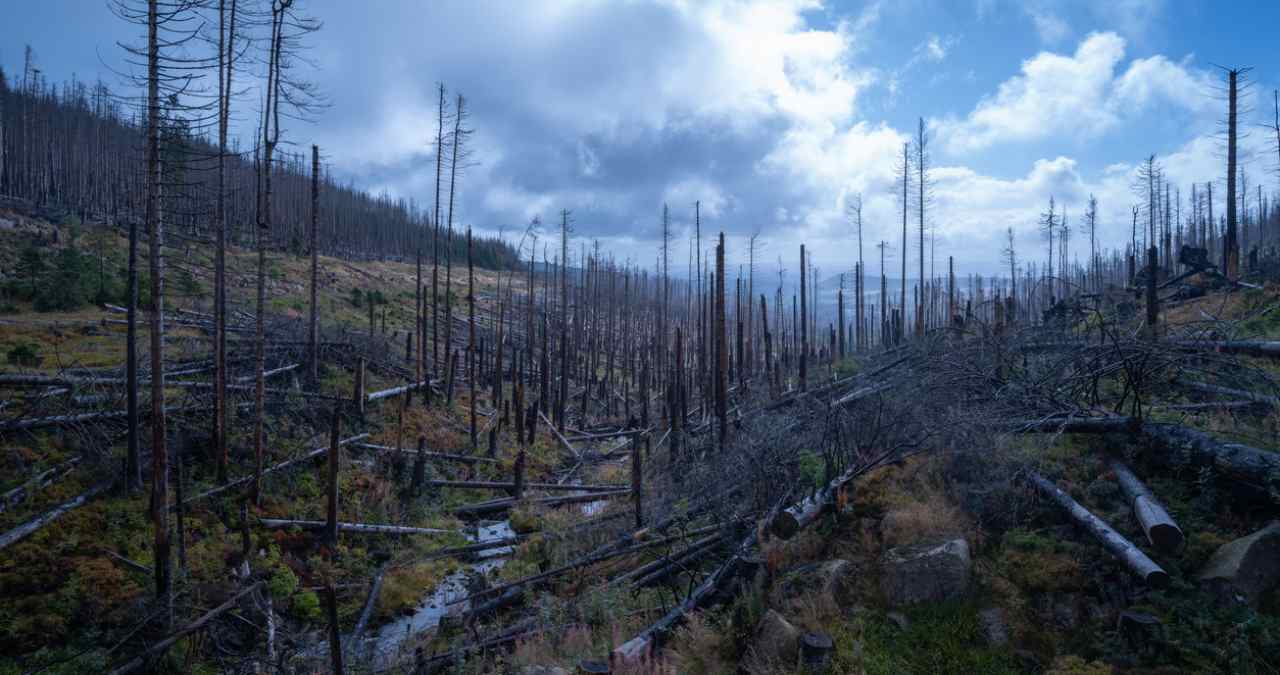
<point x="510" y="591"/>
<point x="438" y="456"/>
<point x="366" y="612"/>
<point x="472" y="548"/>
<point x="31" y="526"/>
<point x="1259" y="348"/>
<point x="1161" y="530"/>
<point x="278" y="467"/>
<point x="351" y="528"/>
<point x="396" y="391"/>
<point x="500" y="505"/>
<point x="1210" y="405"/>
<point x="80" y="418"/>
<point x="803" y="513"/>
<point x="500" y="485"/>
<point x="1237" y="461"/>
<point x="664" y="567"/>
<point x="163" y="645"/>
<point x="1228" y="391"/>
<point x="19" y="494"/>
<point x="1077" y="425"/>
<point x="1132" y="557"/>
<point x="638" y="648"/>
<point x="559" y="436"/>
<point x="268" y="373"/>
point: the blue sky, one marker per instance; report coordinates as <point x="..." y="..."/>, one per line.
<point x="772" y="112"/>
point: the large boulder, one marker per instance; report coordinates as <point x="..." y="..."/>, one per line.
<point x="930" y="571"/>
<point x="1244" y="569"/>
<point x="830" y="581"/>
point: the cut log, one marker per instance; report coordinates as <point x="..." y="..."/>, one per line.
<point x="31" y="526"/>
<point x="1161" y="530"/>
<point x="163" y="645"/>
<point x="436" y="456"/>
<point x="351" y="528"/>
<point x="1133" y="557"/>
<point x="804" y="512"/>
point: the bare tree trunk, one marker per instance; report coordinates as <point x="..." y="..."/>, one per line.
<point x="313" y="323"/>
<point x="159" y="447"/>
<point x="331" y="524"/>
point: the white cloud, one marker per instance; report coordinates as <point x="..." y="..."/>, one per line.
<point x="1051" y="28"/>
<point x="1079" y="96"/>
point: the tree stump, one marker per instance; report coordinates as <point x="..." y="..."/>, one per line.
<point x="815" y="651"/>
<point x="588" y="667"/>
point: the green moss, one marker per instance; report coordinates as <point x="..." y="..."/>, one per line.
<point x="1037" y="563"/>
<point x="942" y="638"/>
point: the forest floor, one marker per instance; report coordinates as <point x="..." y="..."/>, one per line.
<point x="1043" y="595"/>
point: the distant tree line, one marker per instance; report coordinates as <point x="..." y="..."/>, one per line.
<point x="80" y="146"/>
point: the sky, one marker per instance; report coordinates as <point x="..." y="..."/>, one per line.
<point x="772" y="113"/>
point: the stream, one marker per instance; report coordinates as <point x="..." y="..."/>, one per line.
<point x="378" y="650"/>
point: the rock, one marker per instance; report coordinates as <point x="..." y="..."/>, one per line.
<point x="543" y="670"/>
<point x="1244" y="569"/>
<point x="993" y="625"/>
<point x="1138" y="627"/>
<point x="932" y="571"/>
<point x="777" y="638"/>
<point x="899" y="619"/>
<point x="829" y="580"/>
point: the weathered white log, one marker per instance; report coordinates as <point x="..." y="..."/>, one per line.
<point x="31" y="526"/>
<point x="396" y="391"/>
<point x="803" y="513"/>
<point x="559" y="436"/>
<point x="351" y="528"/>
<point x="269" y="373"/>
<point x="163" y="645"/>
<point x="1162" y="531"/>
<point x="1132" y="557"/>
<point x="43" y="479"/>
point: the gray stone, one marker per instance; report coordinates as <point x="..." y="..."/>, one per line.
<point x="993" y="626"/>
<point x="776" y="638"/>
<point x="931" y="571"/>
<point x="543" y="670"/>
<point x="1244" y="569"/>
